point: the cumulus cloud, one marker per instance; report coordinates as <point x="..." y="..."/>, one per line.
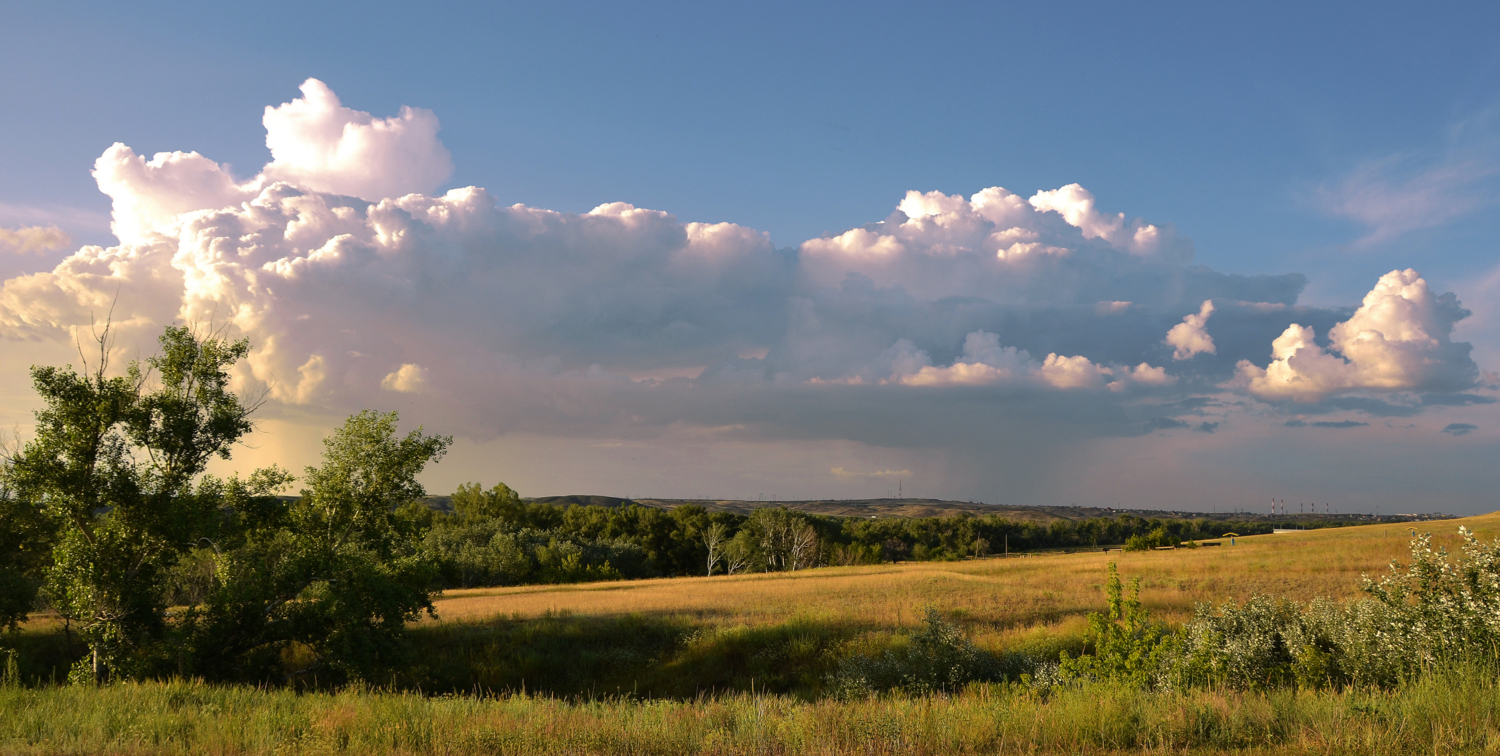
<point x="986" y="362"/>
<point x="1054" y="247"/>
<point x="148" y="196"/>
<point x="409" y="378"/>
<point x="1190" y="337"/>
<point x="1460" y="429"/>
<point x="1076" y="205"/>
<point x="1398" y="339"/>
<point x="33" y="239"/>
<point x="319" y="144"/>
<point x="316" y="143"/>
<point x="953" y="320"/>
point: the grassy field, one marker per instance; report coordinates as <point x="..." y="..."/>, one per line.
<point x="998" y="594"/>
<point x="1459" y="713"/>
<point x="739" y="664"/>
<point x="679" y="637"/>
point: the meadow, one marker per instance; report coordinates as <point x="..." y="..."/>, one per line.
<point x="741" y="663"/>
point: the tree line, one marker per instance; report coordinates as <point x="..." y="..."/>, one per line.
<point x="494" y="537"/>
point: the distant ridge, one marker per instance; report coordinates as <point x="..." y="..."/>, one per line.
<point x="907" y="507"/>
<point x="585" y="500"/>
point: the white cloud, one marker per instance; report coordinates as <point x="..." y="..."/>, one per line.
<point x="319" y="144"/>
<point x="315" y="143"/>
<point x="491" y="320"/>
<point x="985" y="362"/>
<point x="150" y="196"/>
<point x="1190" y="337"/>
<point x="1397" y="339"/>
<point x="1076" y="205"/>
<point x="996" y="244"/>
<point x="409" y="378"/>
<point x="33" y="239"/>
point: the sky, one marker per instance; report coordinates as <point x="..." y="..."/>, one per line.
<point x="1168" y="255"/>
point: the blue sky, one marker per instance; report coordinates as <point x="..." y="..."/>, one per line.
<point x="1339" y="142"/>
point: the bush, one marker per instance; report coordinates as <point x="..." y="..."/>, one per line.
<point x="1157" y="537"/>
<point x="1431" y="614"/>
<point x="937" y="658"/>
<point x="1127" y="644"/>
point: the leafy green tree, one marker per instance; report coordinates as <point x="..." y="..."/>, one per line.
<point x="331" y="580"/>
<point x="113" y="466"/>
<point x="25" y="549"/>
<point x="471" y="502"/>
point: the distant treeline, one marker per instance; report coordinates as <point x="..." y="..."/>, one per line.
<point x="495" y="537"/>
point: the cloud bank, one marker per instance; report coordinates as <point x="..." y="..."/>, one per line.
<point x="991" y="321"/>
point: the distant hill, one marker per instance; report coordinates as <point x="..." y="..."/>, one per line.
<point x="943" y="508"/>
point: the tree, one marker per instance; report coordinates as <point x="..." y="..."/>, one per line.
<point x="25" y="546"/>
<point x="471" y="502"/>
<point x="742" y="553"/>
<point x="714" y="537"/>
<point x="781" y="537"/>
<point x="337" y="574"/>
<point x="113" y="467"/>
<point x="803" y="551"/>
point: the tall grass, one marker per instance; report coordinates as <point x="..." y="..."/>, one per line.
<point x="743" y="665"/>
<point x="994" y="595"/>
<point x="1456" y="712"/>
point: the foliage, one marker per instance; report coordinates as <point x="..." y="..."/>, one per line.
<point x="114" y="467"/>
<point x="1428" y="614"/>
<point x="938" y="657"/>
<point x="688" y="540"/>
<point x="1126" y="643"/>
<point x="1158" y="537"/>
<point x="1451" y="608"/>
<point x="471" y="502"/>
<point x="1431" y="614"/>
<point x="330" y="581"/>
<point x="26" y="537"/>
<point x="487" y="553"/>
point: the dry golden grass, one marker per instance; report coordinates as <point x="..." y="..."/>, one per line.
<point x="999" y="598"/>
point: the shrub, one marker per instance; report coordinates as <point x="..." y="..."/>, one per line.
<point x="1157" y="537"/>
<point x="937" y="658"/>
<point x="1431" y="614"/>
<point x="1127" y="644"/>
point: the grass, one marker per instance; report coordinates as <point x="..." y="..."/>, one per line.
<point x="738" y="664"/>
<point x="783" y="632"/>
<point x="999" y="593"/>
<point x="1458" y="713"/>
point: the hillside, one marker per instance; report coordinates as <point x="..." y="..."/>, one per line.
<point x="911" y="507"/>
